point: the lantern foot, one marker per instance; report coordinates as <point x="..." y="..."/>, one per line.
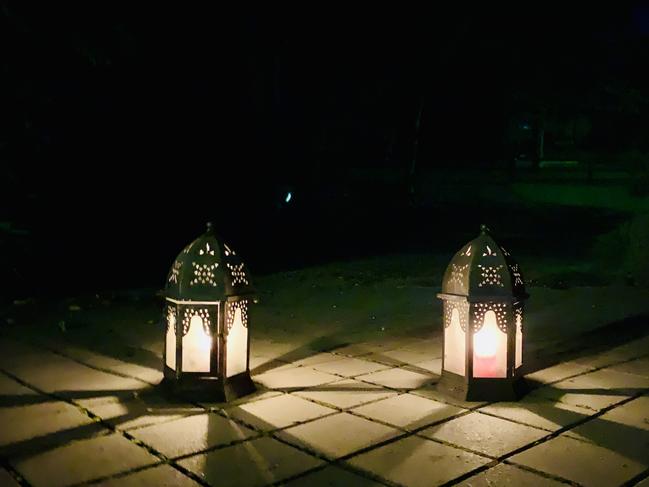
<point x="208" y="388"/>
<point x="476" y="389"/>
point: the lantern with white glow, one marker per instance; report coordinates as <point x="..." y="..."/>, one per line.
<point x="483" y="294"/>
<point x="207" y="339"/>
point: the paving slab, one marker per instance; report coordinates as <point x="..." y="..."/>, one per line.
<point x="159" y="476"/>
<point x="259" y="394"/>
<point x="191" y="434"/>
<point x="56" y="419"/>
<point x="433" y="365"/>
<point x="402" y="356"/>
<point x="508" y="476"/>
<point x="580" y="461"/>
<point x="318" y="358"/>
<point x="9" y="387"/>
<point x="82" y="461"/>
<point x="7" y="480"/>
<point x="407" y="411"/>
<point x="558" y="372"/>
<point x="430" y="391"/>
<point x="278" y="412"/>
<point x="536" y="411"/>
<point x="595" y="390"/>
<point x="397" y="379"/>
<point x="332" y="476"/>
<point x="637" y="367"/>
<point x="253" y="463"/>
<point x="416" y="461"/>
<point x="349" y="367"/>
<point x="624" y="429"/>
<point x="71" y="379"/>
<point x="338" y="435"/>
<point x="346" y="393"/>
<point x="125" y="414"/>
<point x="96" y="359"/>
<point x="294" y="378"/>
<point x="485" y="434"/>
<point x="644" y="482"/>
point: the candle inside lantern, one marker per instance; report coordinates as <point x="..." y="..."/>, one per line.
<point x="489" y="349"/>
<point x="196" y="347"/>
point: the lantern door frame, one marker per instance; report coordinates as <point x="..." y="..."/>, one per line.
<point x="467" y="387"/>
<point x="205" y="385"/>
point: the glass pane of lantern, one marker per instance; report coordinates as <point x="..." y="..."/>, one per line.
<point x="519" y="340"/>
<point x="490" y="349"/>
<point x="454" y="345"/>
<point x="197" y="347"/>
<point x="237" y="343"/>
<point x="170" y="341"/>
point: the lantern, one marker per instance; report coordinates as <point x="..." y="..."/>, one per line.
<point x="483" y="294"/>
<point x="207" y="338"/>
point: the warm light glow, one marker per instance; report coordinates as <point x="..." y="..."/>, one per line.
<point x="490" y="349"/>
<point x="237" y="347"/>
<point x="485" y="343"/>
<point x="197" y="347"/>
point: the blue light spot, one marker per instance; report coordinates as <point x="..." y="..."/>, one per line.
<point x="289" y="195"/>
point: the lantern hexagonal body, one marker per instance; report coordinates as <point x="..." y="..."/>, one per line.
<point x="207" y="294"/>
<point x="483" y="294"/>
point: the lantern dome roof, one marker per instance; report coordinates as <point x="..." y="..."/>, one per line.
<point x="207" y="270"/>
<point x="482" y="269"/>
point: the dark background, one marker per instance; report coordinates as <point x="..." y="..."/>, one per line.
<point x="124" y="128"/>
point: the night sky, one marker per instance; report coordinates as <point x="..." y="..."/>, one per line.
<point x="125" y="128"/>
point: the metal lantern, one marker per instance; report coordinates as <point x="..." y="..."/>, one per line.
<point x="207" y="339"/>
<point x="483" y="294"/>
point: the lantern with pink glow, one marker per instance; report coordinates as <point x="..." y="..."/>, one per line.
<point x="207" y="338"/>
<point x="483" y="295"/>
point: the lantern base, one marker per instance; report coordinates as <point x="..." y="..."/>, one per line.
<point x="467" y="389"/>
<point x="202" y="388"/>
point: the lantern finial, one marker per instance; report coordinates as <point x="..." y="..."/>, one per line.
<point x="484" y="229"/>
<point x="210" y="227"/>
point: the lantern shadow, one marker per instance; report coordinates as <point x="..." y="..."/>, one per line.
<point x="594" y="342"/>
<point x="630" y="441"/>
<point x="323" y="344"/>
<point x="130" y="404"/>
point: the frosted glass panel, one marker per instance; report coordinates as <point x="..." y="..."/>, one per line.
<point x="237" y="354"/>
<point x="170" y="341"/>
<point x="454" y="345"/>
<point x="519" y="342"/>
<point x="197" y="347"/>
<point x="490" y="349"/>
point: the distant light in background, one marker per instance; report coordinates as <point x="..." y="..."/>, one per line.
<point x="288" y="198"/>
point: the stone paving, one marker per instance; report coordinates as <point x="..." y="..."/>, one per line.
<point x="361" y="415"/>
